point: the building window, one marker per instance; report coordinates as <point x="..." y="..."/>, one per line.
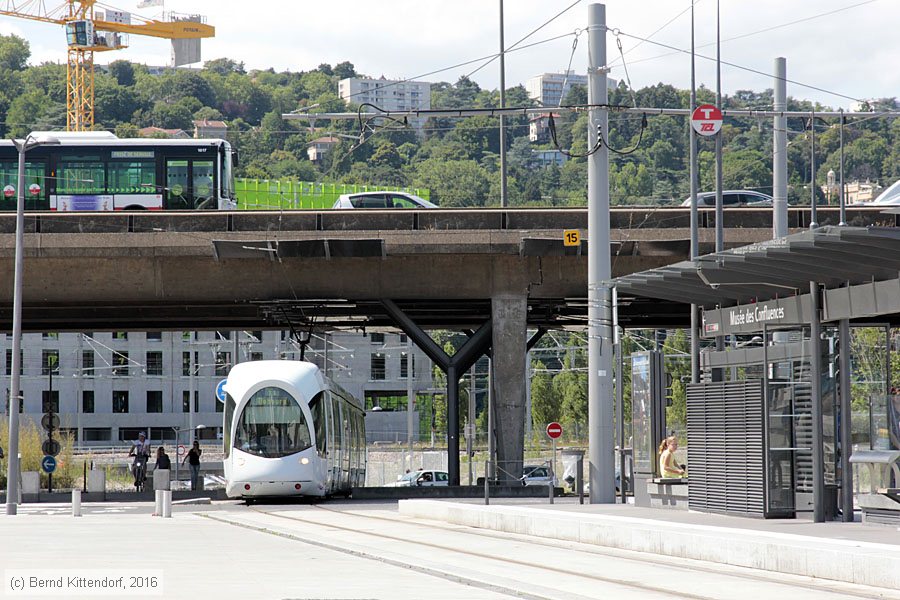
<point x="154" y="401"/>
<point x="154" y="336"/>
<point x="377" y="338"/>
<point x="185" y="401"/>
<point x="154" y="363"/>
<point x="258" y="335"/>
<point x="187" y="336"/>
<point x="120" y="335"/>
<point x="223" y="335"/>
<point x="256" y="356"/>
<point x="50" y="335"/>
<point x="50" y="401"/>
<point x="404" y="372"/>
<point x="120" y="401"/>
<point x="186" y="363"/>
<point x="376" y="366"/>
<point x="223" y="363"/>
<point x="9" y="362"/>
<point x="403" y="338"/>
<point x="49" y="362"/>
<point x="87" y="363"/>
<point x="120" y="364"/>
<point x="87" y="401"/>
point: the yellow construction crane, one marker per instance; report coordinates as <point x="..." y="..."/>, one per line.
<point x="89" y="31"/>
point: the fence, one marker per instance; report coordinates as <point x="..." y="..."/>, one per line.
<point x="278" y="194"/>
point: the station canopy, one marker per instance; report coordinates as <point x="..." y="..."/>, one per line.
<point x="857" y="267"/>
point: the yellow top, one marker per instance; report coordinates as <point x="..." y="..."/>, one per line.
<point x="667" y="468"/>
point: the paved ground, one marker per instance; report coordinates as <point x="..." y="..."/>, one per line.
<point x="342" y="550"/>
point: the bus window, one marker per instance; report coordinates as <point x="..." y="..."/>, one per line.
<point x="80" y="176"/>
<point x="177" y="184"/>
<point x="202" y="184"/>
<point x="35" y="186"/>
<point x="138" y="177"/>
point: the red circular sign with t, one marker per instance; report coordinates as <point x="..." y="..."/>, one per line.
<point x="34" y="189"/>
<point x="9" y="191"/>
<point x="706" y="119"/>
<point x="554" y="430"/>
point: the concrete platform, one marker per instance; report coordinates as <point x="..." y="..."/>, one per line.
<point x="848" y="552"/>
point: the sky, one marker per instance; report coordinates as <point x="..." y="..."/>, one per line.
<point x="847" y="49"/>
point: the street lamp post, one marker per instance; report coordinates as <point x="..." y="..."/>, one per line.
<point x="177" y="431"/>
<point x="12" y="475"/>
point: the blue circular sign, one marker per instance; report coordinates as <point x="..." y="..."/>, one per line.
<point x="48" y="463"/>
<point x="220" y="390"/>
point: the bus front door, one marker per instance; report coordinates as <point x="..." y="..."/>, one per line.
<point x="190" y="184"/>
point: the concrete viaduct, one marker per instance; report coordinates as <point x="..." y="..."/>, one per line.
<point x="494" y="273"/>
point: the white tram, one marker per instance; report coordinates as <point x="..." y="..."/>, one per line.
<point x="290" y="431"/>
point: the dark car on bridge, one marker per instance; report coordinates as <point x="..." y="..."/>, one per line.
<point x="731" y="199"/>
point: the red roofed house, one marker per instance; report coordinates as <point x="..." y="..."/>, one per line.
<point x="206" y="129"/>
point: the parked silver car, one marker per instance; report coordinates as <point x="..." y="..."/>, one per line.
<point x="538" y="475"/>
<point x="382" y="200"/>
<point x="423" y="478"/>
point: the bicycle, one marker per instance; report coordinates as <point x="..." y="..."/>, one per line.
<point x="140" y="472"/>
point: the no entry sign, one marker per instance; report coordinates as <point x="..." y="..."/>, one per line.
<point x="554" y="430"/>
<point x="706" y="119"/>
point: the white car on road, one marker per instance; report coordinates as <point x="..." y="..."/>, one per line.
<point x="382" y="200"/>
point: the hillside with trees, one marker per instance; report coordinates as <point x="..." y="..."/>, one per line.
<point x="457" y="159"/>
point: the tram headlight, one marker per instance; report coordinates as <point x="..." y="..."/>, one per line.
<point x="304" y="461"/>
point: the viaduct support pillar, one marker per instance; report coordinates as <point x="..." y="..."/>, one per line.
<point x="509" y="351"/>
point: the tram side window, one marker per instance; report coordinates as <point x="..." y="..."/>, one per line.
<point x="272" y="425"/>
<point x="228" y="425"/>
<point x="133" y="177"/>
<point x="317" y="407"/>
<point x="80" y="176"/>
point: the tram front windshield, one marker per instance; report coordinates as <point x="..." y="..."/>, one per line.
<point x="272" y="425"/>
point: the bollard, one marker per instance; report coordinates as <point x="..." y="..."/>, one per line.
<point x="166" y="503"/>
<point x="76" y="503"/>
<point x="579" y="478"/>
<point x="157" y="511"/>
<point x="487" y="489"/>
<point x="550" y="483"/>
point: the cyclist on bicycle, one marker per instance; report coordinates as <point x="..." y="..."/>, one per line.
<point x="140" y="450"/>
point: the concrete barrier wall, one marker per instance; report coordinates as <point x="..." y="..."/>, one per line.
<point x="840" y="560"/>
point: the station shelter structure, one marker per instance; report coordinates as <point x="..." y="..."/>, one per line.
<point x="771" y="428"/>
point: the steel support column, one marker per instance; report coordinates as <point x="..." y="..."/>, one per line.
<point x="846" y="443"/>
<point x="453" y="366"/>
<point x="815" y="374"/>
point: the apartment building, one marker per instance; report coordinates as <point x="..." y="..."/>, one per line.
<point x="106" y="387"/>
<point x="388" y="94"/>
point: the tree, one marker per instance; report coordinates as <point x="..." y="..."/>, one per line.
<point x="224" y="66"/>
<point x="122" y="71"/>
<point x="14" y="52"/>
<point x="345" y="69"/>
<point x="545" y="403"/>
<point x="453" y="182"/>
<point x="25" y="112"/>
<point x="172" y="116"/>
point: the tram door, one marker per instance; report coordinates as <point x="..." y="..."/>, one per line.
<point x="349" y="445"/>
<point x="332" y="448"/>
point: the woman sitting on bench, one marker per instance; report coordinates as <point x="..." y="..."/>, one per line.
<point x="667" y="467"/>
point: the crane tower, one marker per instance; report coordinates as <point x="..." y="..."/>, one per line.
<point x="89" y="31"/>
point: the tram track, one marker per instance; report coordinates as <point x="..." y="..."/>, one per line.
<point x="832" y="588"/>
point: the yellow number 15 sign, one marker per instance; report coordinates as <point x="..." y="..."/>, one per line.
<point x="571" y="237"/>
